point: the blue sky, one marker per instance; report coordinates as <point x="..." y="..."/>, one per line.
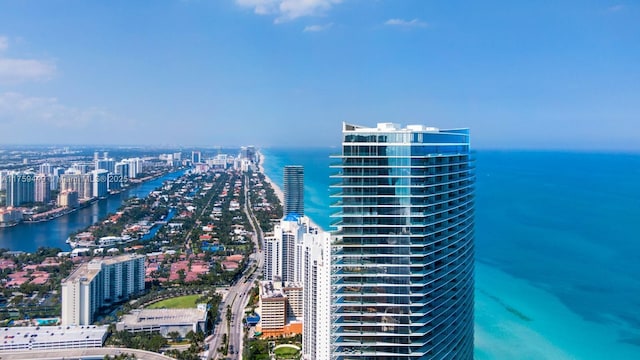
<point x="520" y="74"/>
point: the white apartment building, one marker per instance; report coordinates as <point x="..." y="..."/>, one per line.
<point x="99" y="283"/>
<point x="283" y="249"/>
<point x="316" y="284"/>
<point x="100" y="182"/>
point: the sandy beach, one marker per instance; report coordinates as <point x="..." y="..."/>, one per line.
<point x="276" y="188"/>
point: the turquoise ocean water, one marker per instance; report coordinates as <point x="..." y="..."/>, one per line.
<point x="557" y="249"/>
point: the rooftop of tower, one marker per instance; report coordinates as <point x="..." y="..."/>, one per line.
<point x="387" y="127"/>
<point x="395" y="127"/>
<point x="87" y="271"/>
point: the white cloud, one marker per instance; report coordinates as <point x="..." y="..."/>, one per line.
<point x="286" y="10"/>
<point x="615" y="8"/>
<point x="406" y="23"/>
<point x="22" y="112"/>
<point x="316" y="28"/>
<point x="14" y="70"/>
<point x="4" y="43"/>
<point x="18" y="70"/>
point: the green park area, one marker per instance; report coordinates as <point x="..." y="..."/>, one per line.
<point x="180" y="302"/>
<point x="287" y="351"/>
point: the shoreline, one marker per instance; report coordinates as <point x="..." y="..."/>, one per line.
<point x="53" y="233"/>
<point x="63" y="211"/>
<point x="515" y="317"/>
<point x="277" y="190"/>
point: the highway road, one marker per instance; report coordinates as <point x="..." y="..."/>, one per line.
<point x="238" y="295"/>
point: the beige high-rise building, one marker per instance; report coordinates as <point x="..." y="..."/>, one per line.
<point x="68" y="198"/>
<point x="80" y="183"/>
<point x="273" y="307"/>
<point x="42" y="188"/>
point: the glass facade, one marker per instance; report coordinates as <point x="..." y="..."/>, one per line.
<point x="293" y="190"/>
<point x="402" y="250"/>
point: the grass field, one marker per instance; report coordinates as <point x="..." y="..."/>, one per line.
<point x="181" y="302"/>
<point x="286" y="353"/>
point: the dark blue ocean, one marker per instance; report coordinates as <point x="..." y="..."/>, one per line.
<point x="557" y="249"/>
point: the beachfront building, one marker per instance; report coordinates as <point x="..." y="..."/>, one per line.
<point x="272" y="258"/>
<point x="99" y="283"/>
<point x="316" y="295"/>
<point x="402" y="253"/>
<point x="293" y="190"/>
<point x="284" y="249"/>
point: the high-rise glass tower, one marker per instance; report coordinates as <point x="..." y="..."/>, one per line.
<point x="293" y="190"/>
<point x="402" y="252"/>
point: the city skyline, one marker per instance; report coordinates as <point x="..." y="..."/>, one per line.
<point x="525" y="76"/>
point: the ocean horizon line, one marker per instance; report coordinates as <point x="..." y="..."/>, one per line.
<point x="487" y="149"/>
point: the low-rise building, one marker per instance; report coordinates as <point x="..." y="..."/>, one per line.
<point x="275" y="309"/>
<point x="165" y="321"/>
<point x="52" y="337"/>
<point x="10" y="215"/>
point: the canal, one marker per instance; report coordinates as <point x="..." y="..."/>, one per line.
<point x="54" y="233"/>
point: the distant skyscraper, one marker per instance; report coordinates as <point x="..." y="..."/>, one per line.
<point x="293" y="190"/>
<point x="106" y="164"/>
<point x="82" y="168"/>
<point x="99" y="183"/>
<point x="20" y="188"/>
<point x="122" y="172"/>
<point x="3" y="179"/>
<point x="81" y="183"/>
<point x="42" y="188"/>
<point x="402" y="255"/>
<point x="196" y="157"/>
<point x="45" y="168"/>
<point x="68" y="198"/>
<point x="134" y="166"/>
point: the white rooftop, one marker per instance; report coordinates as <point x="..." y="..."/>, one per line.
<point x="387" y="127"/>
<point x="48" y="334"/>
<point x="163" y="317"/>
